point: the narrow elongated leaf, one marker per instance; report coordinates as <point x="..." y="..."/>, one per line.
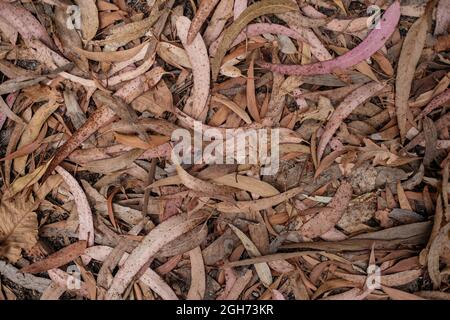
<point x="198" y="57"/>
<point x="409" y="57"/>
<point x="262" y="269"/>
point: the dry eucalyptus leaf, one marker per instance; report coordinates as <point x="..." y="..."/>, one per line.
<point x="113" y="119"/>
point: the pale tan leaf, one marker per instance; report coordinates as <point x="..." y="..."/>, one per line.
<point x="250" y="184"/>
<point x="173" y="55"/>
<point x="198" y="57"/>
<point x="86" y="224"/>
<point x="26" y="181"/>
<point x="262" y="269"/>
<point x="113" y="56"/>
<point x="409" y="57"/>
<point x="207" y="188"/>
<point x="198" y="275"/>
<point x="32" y="130"/>
<point x="89" y="18"/>
<point x="260" y="204"/>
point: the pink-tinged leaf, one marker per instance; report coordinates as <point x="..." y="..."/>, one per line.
<point x="198" y="56"/>
<point x="327" y="218"/>
<point x="9" y="31"/>
<point x="239" y="7"/>
<point x="344" y="109"/>
<point x="24" y="22"/>
<point x="239" y="286"/>
<point x="158" y="237"/>
<point x="311" y="12"/>
<point x="436" y="103"/>
<point x="374" y="42"/>
<point x="442" y="17"/>
<point x="86" y="224"/>
<point x="223" y="12"/>
<point x="333" y="235"/>
<point x="203" y="12"/>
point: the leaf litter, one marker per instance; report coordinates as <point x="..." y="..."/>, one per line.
<point x="88" y="178"/>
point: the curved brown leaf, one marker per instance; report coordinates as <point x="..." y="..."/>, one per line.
<point x="98" y="118"/>
<point x="57" y="259"/>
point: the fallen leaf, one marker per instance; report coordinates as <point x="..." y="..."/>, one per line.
<point x="112" y="56"/>
<point x="24" y="22"/>
<point x="89" y="18"/>
<point x="371" y="44"/>
<point x="198" y="57"/>
<point x="57" y="259"/>
<point x="329" y="216"/>
<point x="198" y="276"/>
<point x="409" y="57"/>
<point x="18" y="227"/>
<point x="203" y="11"/>
<point x="262" y="269"/>
<point x="86" y="225"/>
